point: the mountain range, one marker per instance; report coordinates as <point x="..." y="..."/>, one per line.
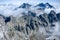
<point x="40" y="6"/>
<point x="34" y="24"/>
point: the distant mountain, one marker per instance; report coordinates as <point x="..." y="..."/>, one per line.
<point x="39" y="8"/>
<point x="43" y="6"/>
<point x="24" y="5"/>
<point x="48" y="5"/>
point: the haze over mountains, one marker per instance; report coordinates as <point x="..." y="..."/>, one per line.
<point x="25" y="7"/>
<point x="29" y="22"/>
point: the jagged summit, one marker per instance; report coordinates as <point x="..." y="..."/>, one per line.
<point x="48" y="5"/>
<point x="24" y="5"/>
<point x="44" y="6"/>
<point x="41" y="5"/>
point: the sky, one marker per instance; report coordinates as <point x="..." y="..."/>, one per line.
<point x="29" y="1"/>
<point x="33" y="2"/>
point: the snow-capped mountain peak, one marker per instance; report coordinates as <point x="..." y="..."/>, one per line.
<point x="43" y="6"/>
<point x="25" y="5"/>
<point x="48" y="5"/>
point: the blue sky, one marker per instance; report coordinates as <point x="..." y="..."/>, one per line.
<point x="30" y="1"/>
